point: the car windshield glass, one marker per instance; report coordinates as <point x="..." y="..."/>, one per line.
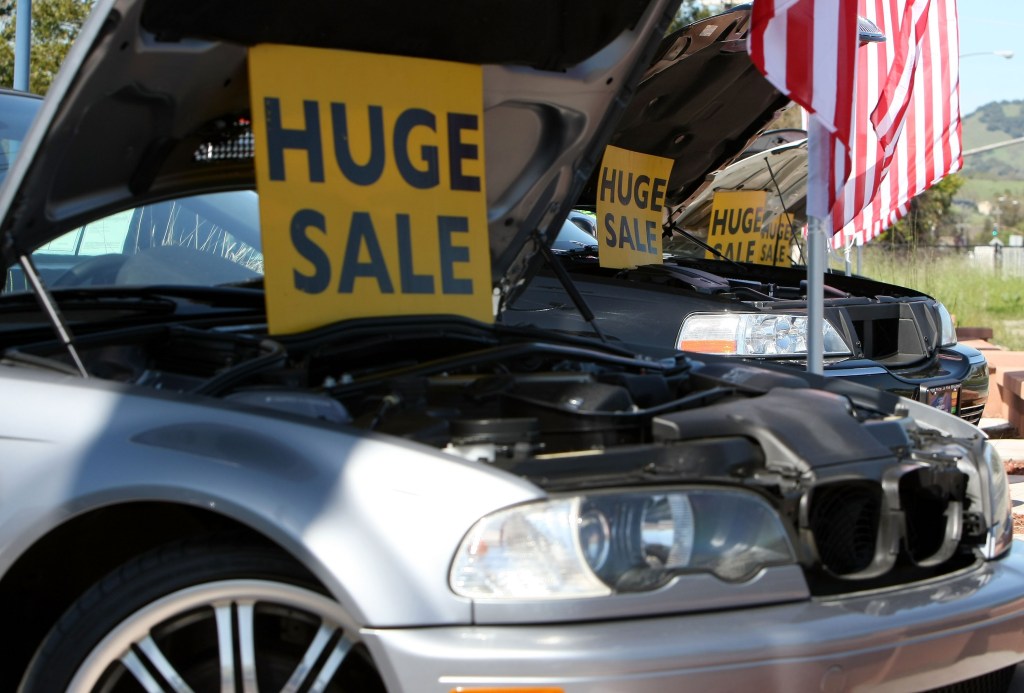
<point x="585" y="220"/>
<point x="16" y="114"/>
<point x="572" y="237"/>
<point x="203" y="240"/>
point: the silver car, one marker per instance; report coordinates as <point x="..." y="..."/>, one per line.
<point x="261" y="428"/>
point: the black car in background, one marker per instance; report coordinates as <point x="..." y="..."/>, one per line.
<point x="877" y="334"/>
<point x="704" y="105"/>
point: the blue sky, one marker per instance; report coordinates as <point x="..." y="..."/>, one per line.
<point x="986" y="26"/>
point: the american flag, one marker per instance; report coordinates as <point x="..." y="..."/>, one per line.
<point x="808" y="50"/>
<point x="907" y="123"/>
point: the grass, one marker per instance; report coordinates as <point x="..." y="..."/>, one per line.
<point x="977" y="189"/>
<point x="972" y="290"/>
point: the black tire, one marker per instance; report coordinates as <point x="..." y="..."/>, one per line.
<point x="995" y="682"/>
<point x="159" y="616"/>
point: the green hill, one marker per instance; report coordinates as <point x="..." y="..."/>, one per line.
<point x="995" y="122"/>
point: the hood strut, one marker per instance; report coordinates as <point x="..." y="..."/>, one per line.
<point x="570" y="287"/>
<point x="52" y="312"/>
<point x="785" y="210"/>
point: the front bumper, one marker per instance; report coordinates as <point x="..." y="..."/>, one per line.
<point x="914" y="639"/>
<point x="956" y="365"/>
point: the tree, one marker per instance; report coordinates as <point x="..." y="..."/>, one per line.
<point x="931" y="215"/>
<point x="1008" y="210"/>
<point x="689" y="12"/>
<point x="55" y="24"/>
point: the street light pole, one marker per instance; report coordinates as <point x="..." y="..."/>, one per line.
<point x="22" y="43"/>
<point x="1001" y="54"/>
<point x="1017" y="140"/>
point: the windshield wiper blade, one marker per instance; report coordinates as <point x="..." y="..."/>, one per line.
<point x="673" y="226"/>
<point x="503" y="353"/>
<point x="170" y="295"/>
<point x="576" y="252"/>
<point x="560" y="337"/>
<point x="254" y="283"/>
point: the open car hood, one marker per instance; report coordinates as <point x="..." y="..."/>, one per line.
<point x="780" y="171"/>
<point x="704" y="105"/>
<point x="701" y="103"/>
<point x="151" y="87"/>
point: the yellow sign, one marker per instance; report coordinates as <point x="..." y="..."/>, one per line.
<point x="741" y="230"/>
<point x="630" y="202"/>
<point x="370" y="171"/>
<point x="779" y="237"/>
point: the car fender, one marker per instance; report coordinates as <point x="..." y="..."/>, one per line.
<point x="375" y="518"/>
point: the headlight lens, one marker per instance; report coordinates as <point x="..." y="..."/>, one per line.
<point x="602" y="544"/>
<point x="996" y="495"/>
<point x="754" y="334"/>
<point x="948" y="337"/>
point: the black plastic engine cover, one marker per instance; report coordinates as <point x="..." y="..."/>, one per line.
<point x="802" y="428"/>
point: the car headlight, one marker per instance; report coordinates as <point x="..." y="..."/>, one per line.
<point x="948" y="335"/>
<point x="754" y="334"/>
<point x="996" y="496"/>
<point x="602" y="544"/>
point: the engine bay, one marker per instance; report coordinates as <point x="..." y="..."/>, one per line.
<point x="453" y="386"/>
<point x="570" y="413"/>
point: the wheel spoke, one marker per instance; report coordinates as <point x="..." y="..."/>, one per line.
<point x="134" y="665"/>
<point x="315" y="650"/>
<point x="226" y="647"/>
<point x="330" y="666"/>
<point x="228" y="618"/>
<point x="152" y="652"/>
<point x="161" y="647"/>
<point x="247" y="647"/>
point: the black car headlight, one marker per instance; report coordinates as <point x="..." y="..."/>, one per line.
<point x="602" y="544"/>
<point x="948" y="331"/>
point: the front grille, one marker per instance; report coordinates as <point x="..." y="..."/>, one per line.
<point x="844" y="520"/>
<point x="879" y="339"/>
<point x="972" y="413"/>
<point x="925" y="496"/>
<point x="904" y="525"/>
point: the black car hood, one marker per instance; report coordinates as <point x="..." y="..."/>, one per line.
<point x="152" y="84"/>
<point x="701" y="103"/>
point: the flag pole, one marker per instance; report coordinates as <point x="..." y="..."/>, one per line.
<point x="817" y="201"/>
<point x="808" y="50"/>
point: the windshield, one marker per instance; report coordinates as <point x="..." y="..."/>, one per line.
<point x="203" y="240"/>
<point x="572" y="237"/>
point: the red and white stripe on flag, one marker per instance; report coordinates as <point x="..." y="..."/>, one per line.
<point x="808" y="50"/>
<point x="906" y="134"/>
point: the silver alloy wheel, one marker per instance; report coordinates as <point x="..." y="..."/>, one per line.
<point x="232" y="605"/>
